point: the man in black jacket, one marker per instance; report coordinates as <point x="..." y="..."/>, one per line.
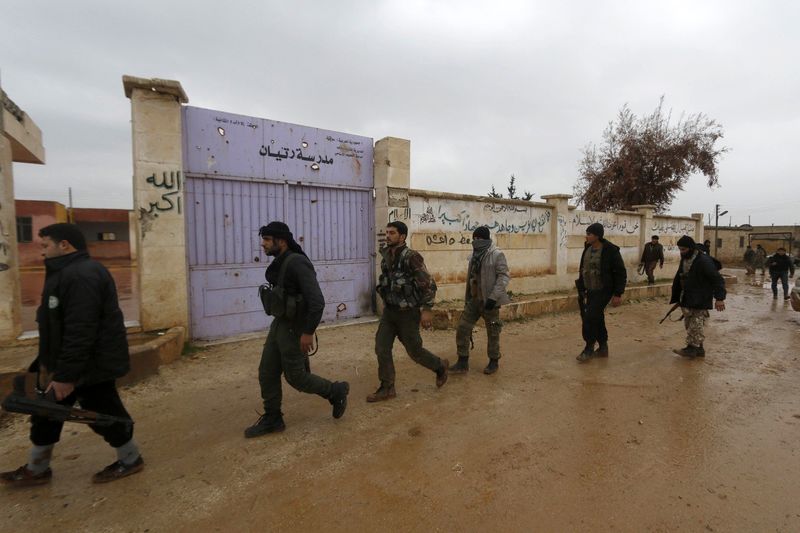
<point x="291" y="334"/>
<point x="696" y="284"/>
<point x="652" y="255"/>
<point x="602" y="280"/>
<point x="83" y="349"/>
<point x="781" y="267"/>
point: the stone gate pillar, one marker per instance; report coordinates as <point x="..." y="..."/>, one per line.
<point x="646" y="230"/>
<point x="558" y="229"/>
<point x="158" y="200"/>
<point x="20" y="141"/>
<point x="392" y="172"/>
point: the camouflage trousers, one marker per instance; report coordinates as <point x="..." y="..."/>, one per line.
<point x="694" y="320"/>
<point x="473" y="311"/>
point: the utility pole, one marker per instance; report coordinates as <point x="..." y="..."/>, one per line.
<point x="716" y="227"/>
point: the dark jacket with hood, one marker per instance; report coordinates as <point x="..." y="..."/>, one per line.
<point x="82" y="337"/>
<point x="700" y="285"/>
<point x="300" y="278"/>
<point x="612" y="268"/>
<point x="780" y="263"/>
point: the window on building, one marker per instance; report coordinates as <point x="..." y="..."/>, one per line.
<point x="719" y="243"/>
<point x="106" y="236"/>
<point x="24" y="229"/>
<point x="741" y="242"/>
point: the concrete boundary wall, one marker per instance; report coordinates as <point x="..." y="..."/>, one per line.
<point x="543" y="242"/>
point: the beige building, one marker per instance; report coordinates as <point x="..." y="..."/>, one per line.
<point x="731" y="242"/>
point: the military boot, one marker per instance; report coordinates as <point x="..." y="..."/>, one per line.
<point x="441" y="374"/>
<point x="383" y="393"/>
<point x="338" y="397"/>
<point x="267" y="423"/>
<point x="700" y="351"/>
<point x="602" y="350"/>
<point x="492" y="367"/>
<point x="586" y="354"/>
<point x="461" y="367"/>
<point x="690" y="351"/>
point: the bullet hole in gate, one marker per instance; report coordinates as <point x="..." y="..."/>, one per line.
<point x="256" y="259"/>
<point x="304" y="144"/>
<point x="314" y="166"/>
<point x="221" y="132"/>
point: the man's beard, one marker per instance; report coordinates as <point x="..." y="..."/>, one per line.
<point x="687" y="255"/>
<point x="274" y="251"/>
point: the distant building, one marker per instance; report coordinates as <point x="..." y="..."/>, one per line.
<point x="732" y="241"/>
<point x="107" y="231"/>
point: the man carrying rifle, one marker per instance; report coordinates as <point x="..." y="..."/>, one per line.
<point x="83" y="349"/>
<point x="697" y="283"/>
<point x="602" y="280"/>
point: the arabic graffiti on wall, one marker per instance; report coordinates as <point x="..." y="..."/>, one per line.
<point x="612" y="224"/>
<point x="443" y="239"/>
<point x="170" y="182"/>
<point x="431" y="214"/>
<point x="673" y="227"/>
<point x="562" y="231"/>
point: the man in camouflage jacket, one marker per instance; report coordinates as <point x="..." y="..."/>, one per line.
<point x="408" y="292"/>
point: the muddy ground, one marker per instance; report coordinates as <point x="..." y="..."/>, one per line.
<point x="645" y="441"/>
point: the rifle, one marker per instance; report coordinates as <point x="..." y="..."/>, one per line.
<point x="671" y="309"/>
<point x="34" y="402"/>
<point x="14" y="403"/>
<point x="581" y="296"/>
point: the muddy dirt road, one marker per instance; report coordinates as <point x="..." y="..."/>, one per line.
<point x="645" y="441"/>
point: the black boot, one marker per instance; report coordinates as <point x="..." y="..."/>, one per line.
<point x="267" y="423"/>
<point x="492" y="367"/>
<point x="461" y="366"/>
<point x="586" y="354"/>
<point x="338" y="397"/>
<point x="700" y="351"/>
<point x="690" y="351"/>
<point x="602" y="350"/>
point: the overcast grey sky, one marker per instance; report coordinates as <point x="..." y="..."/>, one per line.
<point x="482" y="89"/>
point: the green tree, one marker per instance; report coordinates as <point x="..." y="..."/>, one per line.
<point x="512" y="191"/>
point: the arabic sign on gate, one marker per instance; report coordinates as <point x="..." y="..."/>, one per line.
<point x="243" y="172"/>
<point x="225" y="144"/>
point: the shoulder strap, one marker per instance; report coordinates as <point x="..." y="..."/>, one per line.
<point x="284" y="266"/>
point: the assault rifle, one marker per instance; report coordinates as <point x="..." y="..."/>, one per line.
<point x="671" y="309"/>
<point x="37" y="403"/>
<point x="581" y="296"/>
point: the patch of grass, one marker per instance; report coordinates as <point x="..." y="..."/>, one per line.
<point x="190" y="349"/>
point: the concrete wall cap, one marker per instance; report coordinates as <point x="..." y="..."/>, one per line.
<point x="473" y="198"/>
<point x="556" y="196"/>
<point x="171" y="87"/>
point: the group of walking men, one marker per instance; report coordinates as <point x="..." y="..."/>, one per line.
<point x="83" y="346"/>
<point x="780" y="266"/>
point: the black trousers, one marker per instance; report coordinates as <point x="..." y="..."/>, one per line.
<point x="594" y="319"/>
<point x="101" y="398"/>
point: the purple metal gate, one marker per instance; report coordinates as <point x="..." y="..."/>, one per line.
<point x="318" y="182"/>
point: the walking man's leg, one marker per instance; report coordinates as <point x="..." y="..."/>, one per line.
<point x="384" y="340"/>
<point x="408" y="333"/>
<point x="269" y="379"/>
<point x="494" y="326"/>
<point x="469" y="317"/>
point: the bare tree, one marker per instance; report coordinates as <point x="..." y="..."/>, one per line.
<point x="647" y="160"/>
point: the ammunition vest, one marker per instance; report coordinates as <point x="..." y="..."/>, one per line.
<point x="397" y="286"/>
<point x="277" y="302"/>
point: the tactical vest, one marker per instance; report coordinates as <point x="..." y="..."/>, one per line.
<point x="276" y="301"/>
<point x="397" y="287"/>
